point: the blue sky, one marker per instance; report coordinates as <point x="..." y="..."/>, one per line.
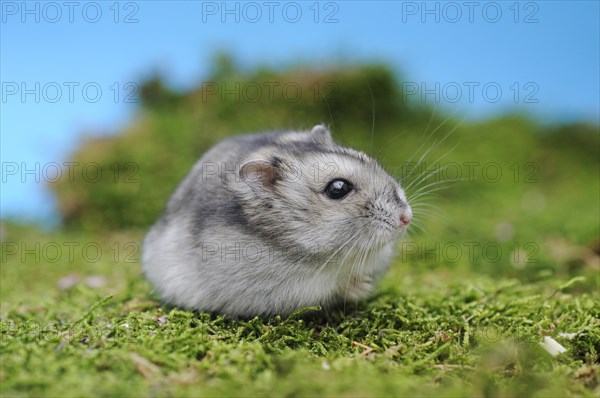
<point x="543" y="57"/>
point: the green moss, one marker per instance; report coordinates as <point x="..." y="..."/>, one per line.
<point x="460" y="313"/>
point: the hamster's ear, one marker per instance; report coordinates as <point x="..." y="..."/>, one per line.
<point x="260" y="175"/>
<point x="321" y="134"/>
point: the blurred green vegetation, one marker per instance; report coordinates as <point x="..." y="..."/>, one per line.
<point x="172" y="130"/>
<point x="510" y="244"/>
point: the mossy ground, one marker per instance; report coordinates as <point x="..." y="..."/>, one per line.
<point x="511" y="259"/>
<point x="89" y="325"/>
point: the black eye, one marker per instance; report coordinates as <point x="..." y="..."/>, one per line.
<point x="337" y="189"/>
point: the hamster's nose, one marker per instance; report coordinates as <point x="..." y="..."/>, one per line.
<point x="405" y="219"/>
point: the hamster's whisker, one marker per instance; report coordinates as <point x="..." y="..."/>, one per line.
<point x="422" y="194"/>
<point x="352" y="237"/>
<point x="387" y="144"/>
<point x="433" y="147"/>
<point x="421" y="188"/>
<point x="415" y="235"/>
<point x="340" y="268"/>
<point x="328" y="107"/>
<point x="431" y="172"/>
<point x="364" y="258"/>
<point x="359" y="261"/>
<point x="420" y="216"/>
<point x="348" y="253"/>
<point x="372" y="112"/>
<point x="446" y="181"/>
<point x="423" y="197"/>
<point x="428" y="173"/>
<point x="416" y="230"/>
<point x="425" y="192"/>
<point x="417" y="223"/>
<point x="430" y="121"/>
<point x="337" y="250"/>
<point x="453" y="129"/>
<point x="419" y="205"/>
<point x="423" y="210"/>
<point x="436" y="144"/>
<point x="349" y="279"/>
<point x="427" y="217"/>
<point x="416" y="166"/>
<point x="427" y="136"/>
<point x="439" y="218"/>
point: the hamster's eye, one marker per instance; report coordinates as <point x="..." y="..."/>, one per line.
<point x="337" y="189"/>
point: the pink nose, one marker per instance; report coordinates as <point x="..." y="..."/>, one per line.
<point x="404" y="219"/>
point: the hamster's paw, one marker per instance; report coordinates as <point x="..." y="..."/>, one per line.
<point x="358" y="288"/>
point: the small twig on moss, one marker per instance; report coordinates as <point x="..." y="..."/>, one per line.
<point x="566" y="285"/>
<point x="367" y="349"/>
<point x="445" y="366"/>
<point x="96" y="305"/>
<point x="146" y="368"/>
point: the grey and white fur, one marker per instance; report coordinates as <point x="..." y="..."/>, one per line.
<point x="257" y="227"/>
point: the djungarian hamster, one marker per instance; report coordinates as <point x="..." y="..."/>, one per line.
<point x="269" y="223"/>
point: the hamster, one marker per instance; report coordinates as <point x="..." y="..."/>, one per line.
<point x="269" y="223"/>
